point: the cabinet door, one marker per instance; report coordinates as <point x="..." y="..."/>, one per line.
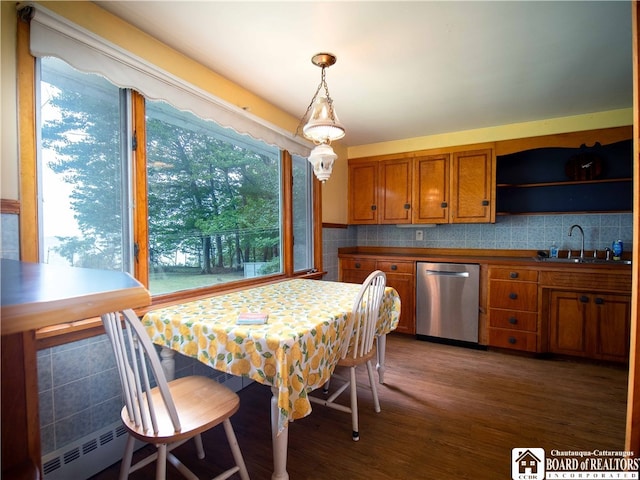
<point x="612" y="323"/>
<point x="363" y="186"/>
<point x="431" y="189"/>
<point x="401" y="276"/>
<point x="568" y="323"/>
<point x="473" y="187"/>
<point x="394" y="191"/>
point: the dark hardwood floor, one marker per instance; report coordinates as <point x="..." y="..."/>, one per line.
<point x="447" y="413"/>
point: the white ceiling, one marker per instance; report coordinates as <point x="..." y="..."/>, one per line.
<point x="409" y="69"/>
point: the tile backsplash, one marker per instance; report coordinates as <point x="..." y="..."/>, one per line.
<point x="513" y="232"/>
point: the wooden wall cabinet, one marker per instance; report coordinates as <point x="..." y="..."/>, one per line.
<point x="438" y="187"/>
<point x="363" y="192"/>
<point x="590" y="324"/>
<point x="473" y="187"/>
<point x="380" y="191"/>
<point x="513" y="309"/>
<point x="400" y="275"/>
<point x="431" y="189"/>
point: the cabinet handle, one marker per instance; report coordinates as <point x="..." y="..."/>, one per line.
<point x="443" y="205"/>
<point x="513" y="274"/>
<point x="584" y="299"/>
<point x="373" y="207"/>
<point x="357" y="265"/>
<point x="513" y="296"/>
<point x="513" y="320"/>
<point x="599" y="301"/>
<point x="485" y="203"/>
<point x="512" y="340"/>
<point x="407" y="206"/>
<point x="394" y="267"/>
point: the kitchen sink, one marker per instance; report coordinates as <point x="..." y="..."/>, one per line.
<point x="588" y="260"/>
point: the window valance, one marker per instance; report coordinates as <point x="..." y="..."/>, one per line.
<point x="53" y="35"/>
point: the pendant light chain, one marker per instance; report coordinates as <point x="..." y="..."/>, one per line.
<point x="323" y="83"/>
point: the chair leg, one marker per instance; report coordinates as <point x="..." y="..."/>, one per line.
<point x="235" y="449"/>
<point x="325" y="387"/>
<point x="161" y="462"/>
<point x="374" y="390"/>
<point x="125" y="466"/>
<point x="199" y="448"/>
<point x="354" y="404"/>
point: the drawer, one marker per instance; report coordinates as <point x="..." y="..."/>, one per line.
<point x="358" y="264"/>
<point x="514" y="274"/>
<point x="514" y="339"/>
<point x="513" y="295"/>
<point x="513" y="319"/>
<point x="396" y="267"/>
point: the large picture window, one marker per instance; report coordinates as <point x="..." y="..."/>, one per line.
<point x="215" y="203"/>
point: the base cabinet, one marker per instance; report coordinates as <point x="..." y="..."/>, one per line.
<point x="513" y="309"/>
<point x="400" y="276"/>
<point x="587" y="324"/>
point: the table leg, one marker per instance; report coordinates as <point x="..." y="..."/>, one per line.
<point x="279" y="441"/>
<point x="168" y="363"/>
<point x="382" y="347"/>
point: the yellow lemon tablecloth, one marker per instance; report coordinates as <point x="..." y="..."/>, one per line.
<point x="295" y="351"/>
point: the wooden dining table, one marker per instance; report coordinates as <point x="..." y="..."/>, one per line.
<point x="294" y="352"/>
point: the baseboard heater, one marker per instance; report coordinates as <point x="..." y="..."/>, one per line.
<point x="88" y="456"/>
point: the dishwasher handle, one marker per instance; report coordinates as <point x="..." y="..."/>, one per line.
<point x="441" y="273"/>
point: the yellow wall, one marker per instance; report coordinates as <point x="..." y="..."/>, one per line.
<point x="592" y="121"/>
<point x="334" y="203"/>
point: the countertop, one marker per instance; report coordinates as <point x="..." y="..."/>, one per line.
<point x="36" y="295"/>
<point x="525" y="258"/>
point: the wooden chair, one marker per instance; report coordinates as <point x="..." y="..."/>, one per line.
<point x="359" y="348"/>
<point x="170" y="413"/>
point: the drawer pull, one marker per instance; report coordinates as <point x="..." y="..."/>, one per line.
<point x="357" y="265"/>
<point x="513" y="320"/>
<point x="394" y="267"/>
<point x="512" y="340"/>
<point x="513" y="296"/>
<point x="599" y="301"/>
<point x="513" y="274"/>
<point x="584" y="299"/>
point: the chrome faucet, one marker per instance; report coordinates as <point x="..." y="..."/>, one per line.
<point x="581" y="233"/>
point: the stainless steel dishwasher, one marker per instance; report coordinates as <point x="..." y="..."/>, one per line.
<point x="447" y="302"/>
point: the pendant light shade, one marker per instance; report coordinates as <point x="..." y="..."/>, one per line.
<point x="322" y="158"/>
<point x="321" y="124"/>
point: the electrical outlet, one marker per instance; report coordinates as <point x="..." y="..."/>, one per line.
<point x="419" y="235"/>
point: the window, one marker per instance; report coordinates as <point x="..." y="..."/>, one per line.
<point x="83" y="187"/>
<point x="215" y="199"/>
<point x="214" y="202"/>
<point x="302" y="214"/>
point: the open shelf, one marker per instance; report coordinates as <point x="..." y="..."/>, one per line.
<point x="536" y="181"/>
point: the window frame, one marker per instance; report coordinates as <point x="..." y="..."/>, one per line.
<point x="29" y="226"/>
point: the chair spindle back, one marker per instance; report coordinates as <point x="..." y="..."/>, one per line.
<point x="138" y="366"/>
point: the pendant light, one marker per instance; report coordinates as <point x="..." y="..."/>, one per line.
<point x="322" y="125"/>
